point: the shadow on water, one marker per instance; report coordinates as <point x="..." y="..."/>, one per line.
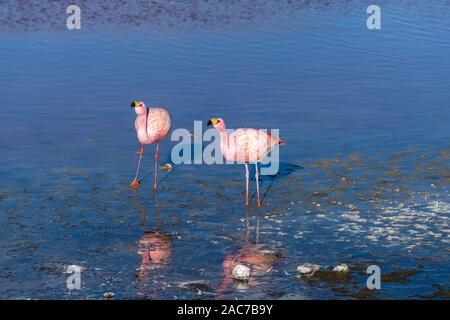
<point x="285" y="169"/>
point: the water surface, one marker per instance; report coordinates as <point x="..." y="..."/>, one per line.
<point x="364" y="174"/>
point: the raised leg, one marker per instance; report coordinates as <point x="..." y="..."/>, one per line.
<point x="257" y="183"/>
<point x="246" y="184"/>
<point x="156" y="166"/>
<point x="135" y="184"/>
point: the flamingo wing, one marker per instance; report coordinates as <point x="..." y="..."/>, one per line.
<point x="159" y="122"/>
<point x="250" y="145"/>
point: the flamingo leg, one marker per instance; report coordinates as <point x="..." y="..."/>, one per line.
<point x="156" y="166"/>
<point x="257" y="183"/>
<point x="135" y="184"/>
<point x="257" y="227"/>
<point x="246" y="184"/>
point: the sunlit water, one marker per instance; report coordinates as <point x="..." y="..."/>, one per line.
<point x="364" y="175"/>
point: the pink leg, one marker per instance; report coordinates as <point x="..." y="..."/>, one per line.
<point x="246" y="184"/>
<point x="135" y="184"/>
<point x="156" y="166"/>
<point x="257" y="227"/>
<point x="257" y="183"/>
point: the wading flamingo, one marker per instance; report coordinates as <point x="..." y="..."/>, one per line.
<point x="243" y="146"/>
<point x="152" y="126"/>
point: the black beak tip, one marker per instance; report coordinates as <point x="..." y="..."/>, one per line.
<point x="209" y="122"/>
<point x="133" y="104"/>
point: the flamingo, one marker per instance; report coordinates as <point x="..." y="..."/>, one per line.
<point x="152" y="126"/>
<point x="245" y="145"/>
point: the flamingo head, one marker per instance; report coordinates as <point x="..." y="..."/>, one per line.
<point x="139" y="107"/>
<point x="217" y="123"/>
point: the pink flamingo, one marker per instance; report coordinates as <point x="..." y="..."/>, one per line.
<point x="243" y="146"/>
<point x="152" y="126"/>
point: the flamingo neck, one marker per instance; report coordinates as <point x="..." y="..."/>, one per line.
<point x="223" y="141"/>
<point x="142" y="126"/>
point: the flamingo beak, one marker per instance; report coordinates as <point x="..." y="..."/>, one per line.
<point x="212" y="122"/>
<point x="135" y="104"/>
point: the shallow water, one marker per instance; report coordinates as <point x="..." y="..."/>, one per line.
<point x="363" y="177"/>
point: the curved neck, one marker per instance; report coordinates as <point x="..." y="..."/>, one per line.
<point x="223" y="141"/>
<point x="142" y="126"/>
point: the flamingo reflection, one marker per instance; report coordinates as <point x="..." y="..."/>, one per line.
<point x="155" y="246"/>
<point x="258" y="257"/>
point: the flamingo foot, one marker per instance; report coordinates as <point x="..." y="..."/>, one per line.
<point x="135" y="185"/>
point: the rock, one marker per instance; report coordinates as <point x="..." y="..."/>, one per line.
<point x="308" y="269"/>
<point x="166" y="167"/>
<point x="109" y="295"/>
<point x="240" y="285"/>
<point x="341" y="268"/>
<point x="241" y="272"/>
<point x="199" y="286"/>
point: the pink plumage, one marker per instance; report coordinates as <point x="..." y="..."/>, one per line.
<point x="245" y="145"/>
<point x="152" y="126"/>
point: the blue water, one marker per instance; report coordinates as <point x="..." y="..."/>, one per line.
<point x="364" y="174"/>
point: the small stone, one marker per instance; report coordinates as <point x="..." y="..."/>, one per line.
<point x="109" y="295"/>
<point x="166" y="167"/>
<point x="241" y="272"/>
<point x="341" y="268"/>
<point x="308" y="269"/>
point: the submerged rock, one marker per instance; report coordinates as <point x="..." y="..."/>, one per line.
<point x="341" y="268"/>
<point x="308" y="269"/>
<point x="241" y="285"/>
<point x="199" y="286"/>
<point x="241" y="272"/>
